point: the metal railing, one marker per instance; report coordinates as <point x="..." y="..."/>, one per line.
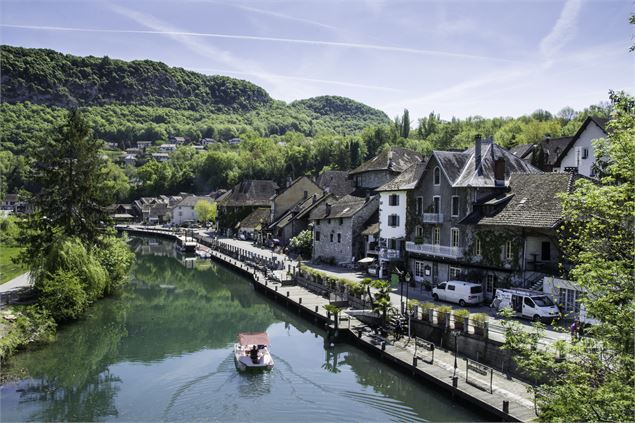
<point x="434" y="249"/>
<point x="432" y="217"/>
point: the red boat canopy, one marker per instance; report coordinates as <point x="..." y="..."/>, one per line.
<point x="253" y="338"/>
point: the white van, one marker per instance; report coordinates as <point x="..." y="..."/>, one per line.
<point x="459" y="292"/>
<point x="526" y="303"/>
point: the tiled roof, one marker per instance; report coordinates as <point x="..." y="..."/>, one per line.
<point x="336" y="182"/>
<point x="347" y="206"/>
<point x="555" y="148"/>
<point x="371" y="229"/>
<point x="249" y="193"/>
<point x="395" y="159"/>
<point x="191" y="200"/>
<point x="299" y="210"/>
<point x="532" y="201"/>
<point x="407" y="180"/>
<point x="522" y="150"/>
<point x="258" y="217"/>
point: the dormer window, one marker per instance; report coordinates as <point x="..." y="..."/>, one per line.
<point x="436" y="176"/>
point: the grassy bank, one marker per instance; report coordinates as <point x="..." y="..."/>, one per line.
<point x="8" y="269"/>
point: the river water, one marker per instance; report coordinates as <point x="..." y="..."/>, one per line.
<point x="163" y="351"/>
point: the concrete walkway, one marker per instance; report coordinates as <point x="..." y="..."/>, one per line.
<point x="11" y="290"/>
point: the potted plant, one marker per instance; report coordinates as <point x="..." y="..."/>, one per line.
<point x="479" y="320"/>
<point x="459" y="318"/>
<point x="443" y="313"/>
<point x="426" y="309"/>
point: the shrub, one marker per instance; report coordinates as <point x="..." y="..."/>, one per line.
<point x="442" y="313"/>
<point x="33" y="325"/>
<point x="63" y="295"/>
<point x="116" y="258"/>
<point x="479" y="319"/>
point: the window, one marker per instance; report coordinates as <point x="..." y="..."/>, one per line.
<point x="393" y="220"/>
<point x="585" y="153"/>
<point x="317" y="235"/>
<point x="454" y="237"/>
<point x="477" y="247"/>
<point x="328" y="221"/>
<point x="441" y="286"/>
<point x="341" y="221"/>
<point x="529" y="302"/>
<point x="489" y="283"/>
<point x="455" y="205"/>
<point x="392" y="244"/>
<point x="451" y="288"/>
<point x="420" y="271"/>
<point x="339" y="237"/>
<point x="546" y="251"/>
<point x="436" y="235"/>
<point x="331" y="237"/>
<point x="508" y="250"/>
<point x="419" y="231"/>
<point x="306" y="194"/>
<point x="419" y="206"/>
<point x="317" y="222"/>
<point x="437" y="176"/>
<point x="455" y="272"/>
<point x="436" y="204"/>
<point x="393" y="200"/>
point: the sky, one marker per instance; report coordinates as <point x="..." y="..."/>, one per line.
<point x="454" y="57"/>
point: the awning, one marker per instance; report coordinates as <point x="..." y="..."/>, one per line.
<point x="366" y="260"/>
<point x="253" y="338"/>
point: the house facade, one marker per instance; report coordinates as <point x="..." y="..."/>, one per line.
<point x="183" y="211"/>
<point x="337" y="228"/>
<point x="298" y="190"/>
<point x="580" y="157"/>
<point x="450" y="185"/>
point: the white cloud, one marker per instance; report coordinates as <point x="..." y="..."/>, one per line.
<point x="563" y="30"/>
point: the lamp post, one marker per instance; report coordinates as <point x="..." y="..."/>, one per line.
<point x="407" y="278"/>
<point x="456" y="334"/>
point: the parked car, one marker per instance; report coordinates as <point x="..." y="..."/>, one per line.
<point x="459" y="292"/>
<point x="529" y="304"/>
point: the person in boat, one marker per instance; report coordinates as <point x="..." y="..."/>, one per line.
<point x="253" y="354"/>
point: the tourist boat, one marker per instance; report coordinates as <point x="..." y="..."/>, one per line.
<point x="251" y="352"/>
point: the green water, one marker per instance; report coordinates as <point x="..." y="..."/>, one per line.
<point x="163" y="352"/>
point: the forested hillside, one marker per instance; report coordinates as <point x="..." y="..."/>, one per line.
<point x="280" y="141"/>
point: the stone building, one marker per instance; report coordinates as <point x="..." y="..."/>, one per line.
<point x="241" y="200"/>
<point x="337" y="228"/>
<point x="382" y="168"/>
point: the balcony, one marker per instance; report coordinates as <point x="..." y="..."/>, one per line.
<point x="389" y="255"/>
<point x="434" y="250"/>
<point x="432" y="218"/>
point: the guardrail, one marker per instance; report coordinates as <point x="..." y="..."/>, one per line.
<point x="434" y="250"/>
<point x="482" y="370"/>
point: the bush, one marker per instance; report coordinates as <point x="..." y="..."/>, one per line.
<point x="479" y="319"/>
<point x="116" y="258"/>
<point x="303" y="242"/>
<point x="63" y="295"/>
<point x="9" y="231"/>
<point x="33" y="325"/>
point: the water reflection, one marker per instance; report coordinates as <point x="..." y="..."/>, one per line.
<point x="162" y="351"/>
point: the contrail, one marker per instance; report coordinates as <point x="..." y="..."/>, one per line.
<point x="270" y="39"/>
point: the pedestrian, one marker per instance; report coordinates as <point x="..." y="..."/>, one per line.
<point x="495" y="304"/>
<point x="574" y="331"/>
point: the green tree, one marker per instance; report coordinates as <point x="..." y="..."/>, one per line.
<point x="595" y="380"/>
<point x="405" y="124"/>
<point x="206" y="211"/>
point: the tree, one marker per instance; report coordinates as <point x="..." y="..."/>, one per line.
<point x="70" y="179"/>
<point x="303" y="242"/>
<point x="595" y="381"/>
<point x="206" y="211"/>
<point x="405" y="124"/>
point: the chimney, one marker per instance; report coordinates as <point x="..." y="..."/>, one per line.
<point x="477" y="155"/>
<point x="328" y="209"/>
<point x="389" y="158"/>
<point x="314" y="199"/>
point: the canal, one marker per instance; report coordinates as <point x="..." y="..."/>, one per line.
<point x="163" y="351"/>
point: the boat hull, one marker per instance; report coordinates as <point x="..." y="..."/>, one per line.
<point x="244" y="362"/>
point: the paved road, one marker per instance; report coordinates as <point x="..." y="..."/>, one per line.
<point x="17" y="283"/>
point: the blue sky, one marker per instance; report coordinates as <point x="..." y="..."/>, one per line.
<point x="456" y="57"/>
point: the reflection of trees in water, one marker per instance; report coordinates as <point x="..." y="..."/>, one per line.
<point x="90" y="401"/>
<point x="205" y="309"/>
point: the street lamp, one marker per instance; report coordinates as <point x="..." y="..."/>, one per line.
<point x="456" y="334"/>
<point x="407" y="278"/>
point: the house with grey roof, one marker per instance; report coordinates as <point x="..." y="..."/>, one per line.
<point x="183" y="211"/>
<point x="296" y="219"/>
<point x="511" y="238"/>
<point x="336" y="182"/>
<point x="337" y="228"/>
<point x="252" y="226"/>
<point x="382" y="168"/>
<point x="579" y="156"/>
<point x="242" y="199"/>
<point x="448" y="186"/>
